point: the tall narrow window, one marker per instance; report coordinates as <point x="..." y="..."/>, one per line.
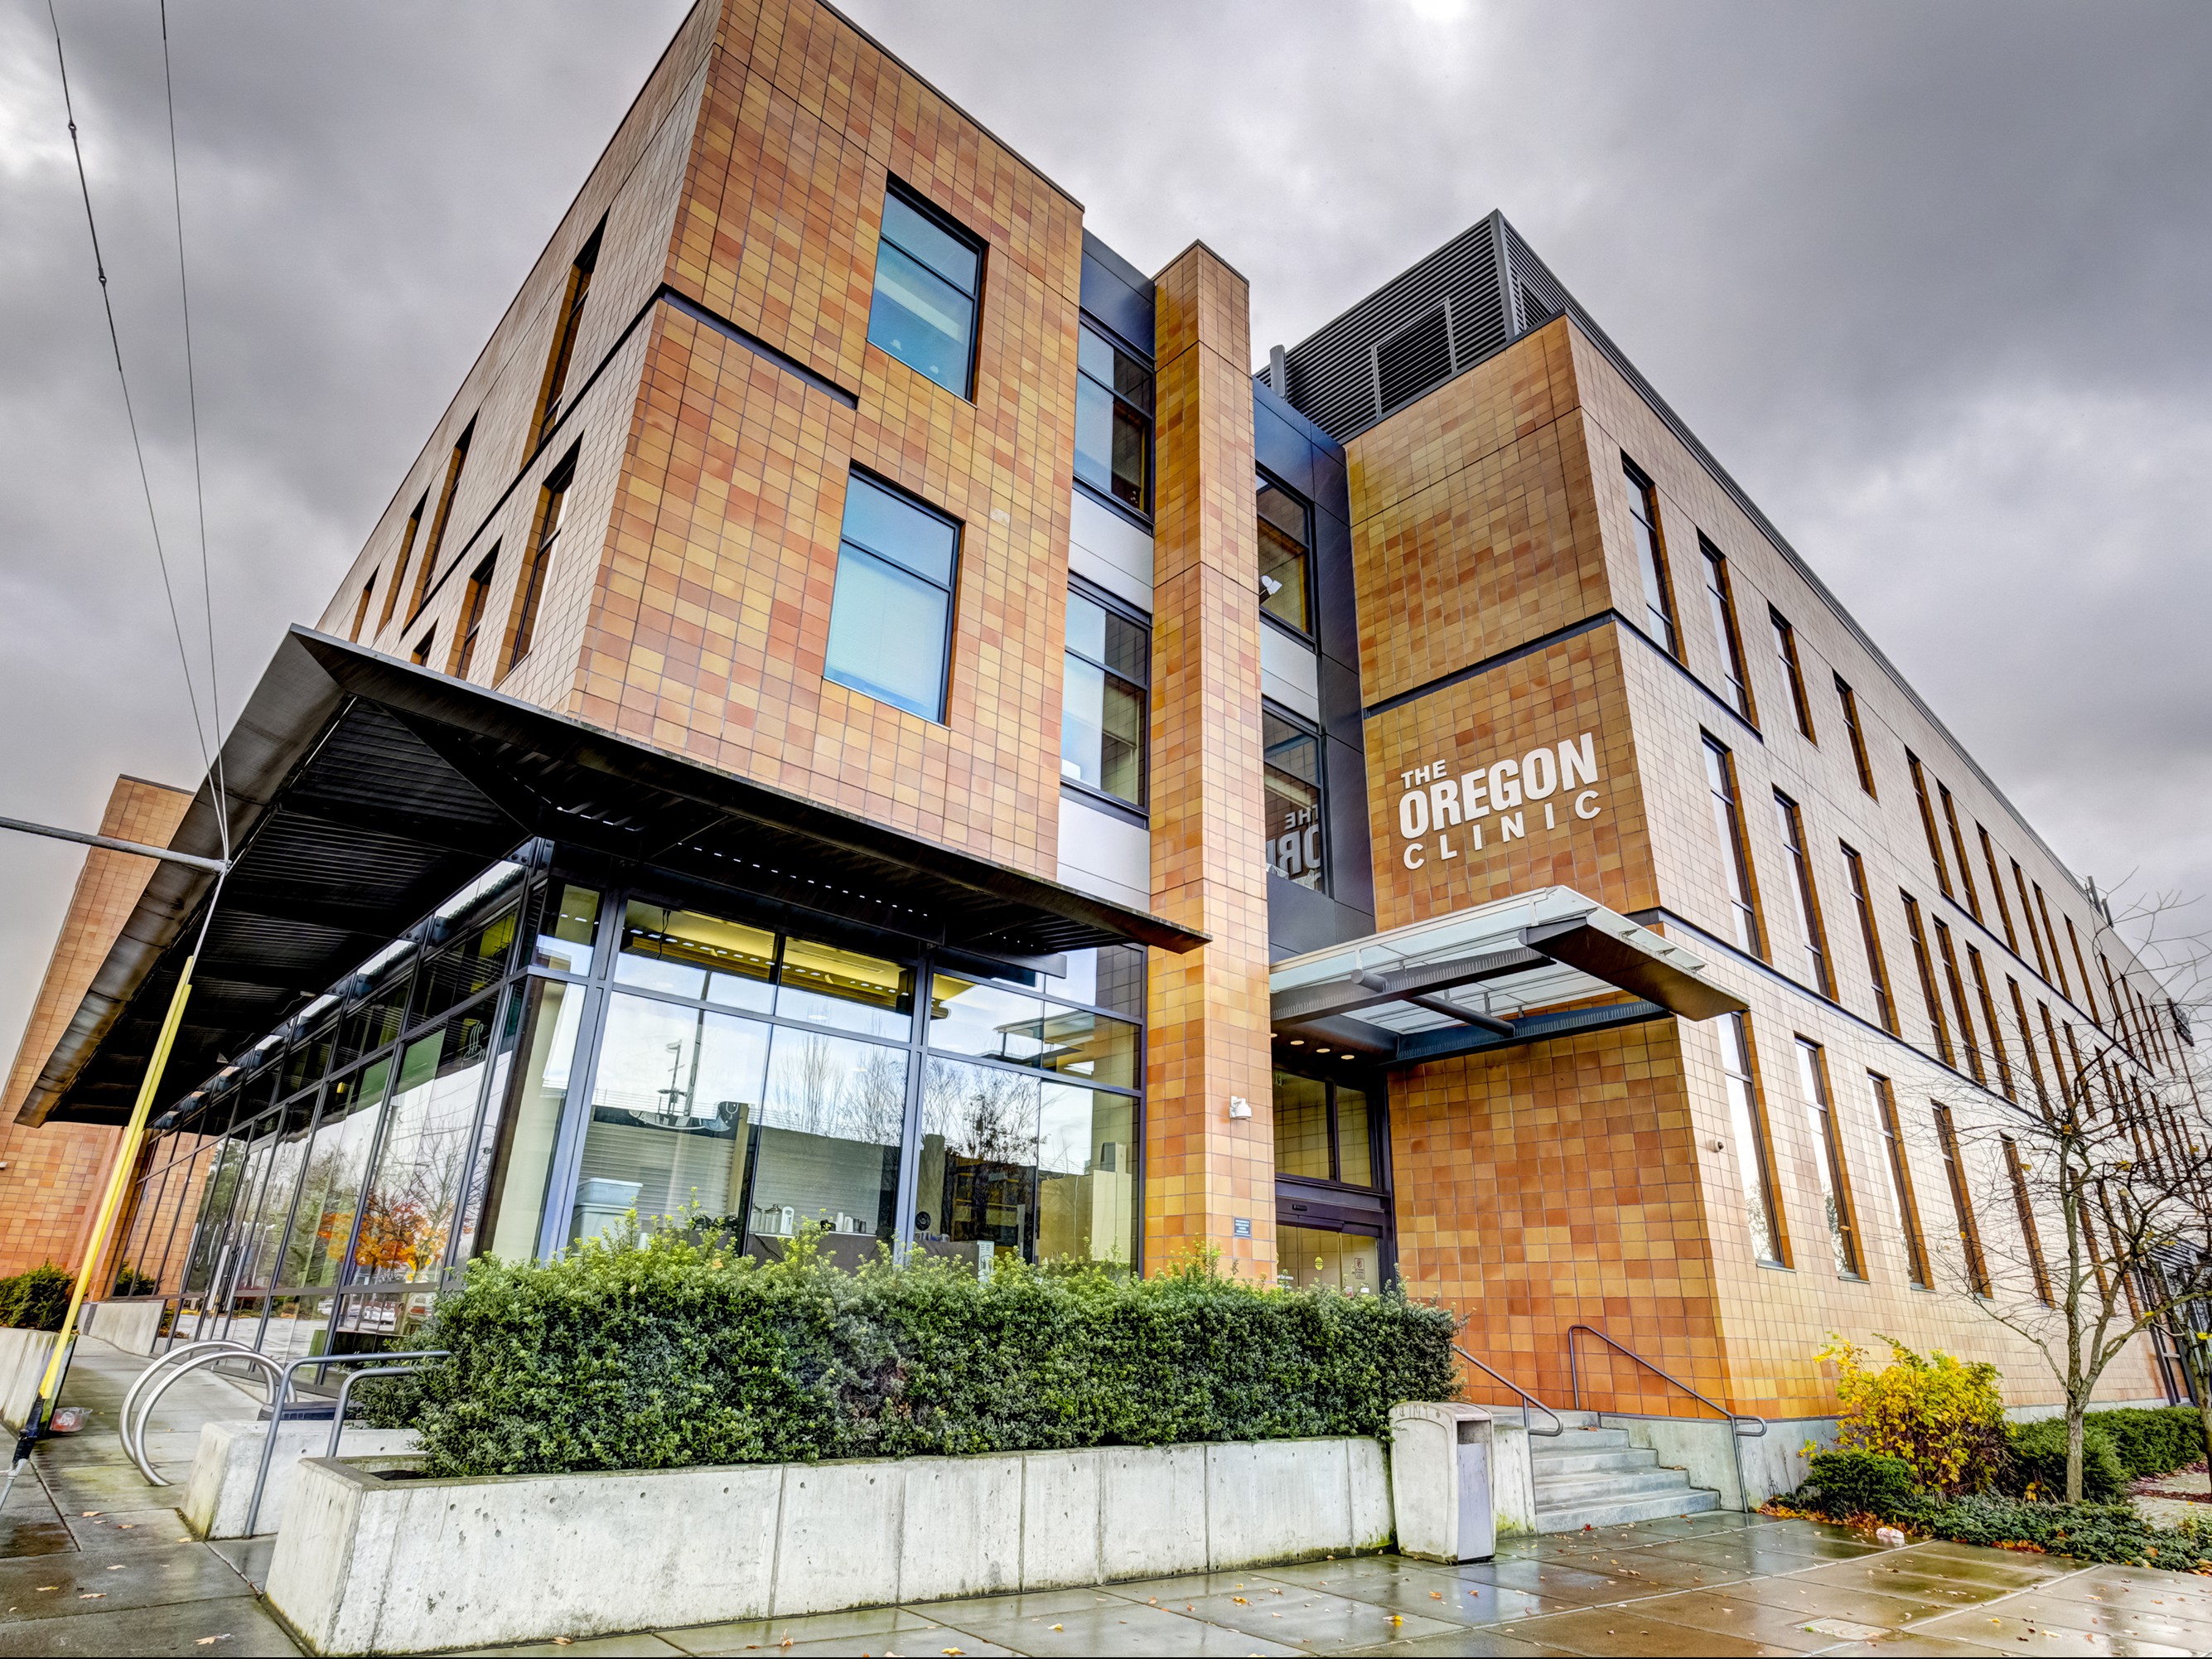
<point x="472" y="612"/>
<point x="1658" y="618"/>
<point x="1870" y="936"/>
<point x="1103" y="707"/>
<point x="2028" y="1237"/>
<point x="2057" y="1056"/>
<point x="1754" y="1161"/>
<point x="1791" y="823"/>
<point x="567" y="321"/>
<point x="440" y="520"/>
<point x="1793" y="671"/>
<point x="1928" y="822"/>
<point x="1295" y="848"/>
<point x="891" y="616"/>
<point x="1962" y="1202"/>
<point x="421" y="655"/>
<point x="2057" y="962"/>
<point x="1959" y="847"/>
<point x="1113" y="420"/>
<point x="1921" y="959"/>
<point x="1736" y="858"/>
<point x="2028" y="1045"/>
<point x="1850" y="700"/>
<point x="1900" y="1179"/>
<point x="1990" y="1022"/>
<point x="1286" y="555"/>
<point x="1958" y="985"/>
<point x="2027" y="919"/>
<point x="544" y="536"/>
<point x="1996" y="886"/>
<point x="2074" y="939"/>
<point x="360" y="610"/>
<point x="929" y="274"/>
<point x="1721" y="599"/>
<point x="1828" y="1160"/>
<point x="399" y="564"/>
<point x="2119" y="1020"/>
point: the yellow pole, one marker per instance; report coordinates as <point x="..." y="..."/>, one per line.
<point x="125" y="1159"/>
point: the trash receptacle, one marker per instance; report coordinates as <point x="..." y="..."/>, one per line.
<point x="1440" y="1477"/>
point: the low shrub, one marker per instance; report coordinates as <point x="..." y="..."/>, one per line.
<point x="2035" y="1461"/>
<point x="128" y="1281"/>
<point x="2154" y="1442"/>
<point x="2087" y="1532"/>
<point x="1943" y="1416"/>
<point x="664" y="1351"/>
<point x="37" y="1300"/>
<point x="1858" y="1483"/>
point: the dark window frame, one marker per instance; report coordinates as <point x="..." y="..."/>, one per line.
<point x="545" y="530"/>
<point x="1652" y="571"/>
<point x="919" y="203"/>
<point x="1145" y="413"/>
<point x="1793" y="671"/>
<point x="951" y="588"/>
<point x="1727" y="799"/>
<point x="1900" y="1180"/>
<point x="1885" y="996"/>
<point x="1828" y="1133"/>
<point x="475" y="600"/>
<point x="1791" y="819"/>
<point x="1962" y="1201"/>
<point x="1115" y="606"/>
<point x="567" y="324"/>
<point x="1856" y="733"/>
<point x="1721" y="593"/>
<point x="1307" y="634"/>
<point x="1307" y="730"/>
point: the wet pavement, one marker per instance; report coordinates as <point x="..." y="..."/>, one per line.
<point x="92" y="1562"/>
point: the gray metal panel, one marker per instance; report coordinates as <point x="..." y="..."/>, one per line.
<point x="1117" y="294"/>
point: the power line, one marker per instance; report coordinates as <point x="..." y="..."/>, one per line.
<point x="115" y="340"/>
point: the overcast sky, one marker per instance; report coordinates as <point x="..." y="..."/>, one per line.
<point x="1931" y="281"/>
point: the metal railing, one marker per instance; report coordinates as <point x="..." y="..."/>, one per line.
<point x="1527" y="1399"/>
<point x="1737" y="1433"/>
<point x="193" y="1356"/>
<point x="281" y="1394"/>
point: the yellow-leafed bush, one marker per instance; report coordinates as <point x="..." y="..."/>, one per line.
<point x="1941" y="1415"/>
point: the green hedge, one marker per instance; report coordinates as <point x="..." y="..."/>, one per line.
<point x="37" y="1300"/>
<point x="663" y="1352"/>
<point x="1858" y="1483"/>
<point x="2035" y="1461"/>
<point x="2155" y="1442"/>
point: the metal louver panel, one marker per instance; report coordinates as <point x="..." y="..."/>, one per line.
<point x="1413" y="359"/>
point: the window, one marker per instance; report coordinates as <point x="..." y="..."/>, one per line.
<point x="1928" y="822"/>
<point x="1962" y="1202"/>
<point x="2018" y="1173"/>
<point x="1755" y="1162"/>
<point x="1828" y="1160"/>
<point x="360" y="610"/>
<point x="890" y="618"/>
<point x="1989" y="1022"/>
<point x="1735" y="861"/>
<point x="1793" y="674"/>
<point x="1103" y="705"/>
<point x="2074" y="939"/>
<point x="1322" y="1131"/>
<point x="472" y="610"/>
<point x="455" y="463"/>
<point x="1996" y="886"/>
<point x="1722" y="600"/>
<point x="1286" y="555"/>
<point x="421" y="654"/>
<point x="530" y="591"/>
<point x="568" y="320"/>
<point x="1900" y="1180"/>
<point x="1850" y="700"/>
<point x="1927" y="967"/>
<point x="399" y="564"/>
<point x="2027" y="920"/>
<point x="2057" y="1058"/>
<point x="1870" y="936"/>
<point x="928" y="276"/>
<point x="1958" y="1001"/>
<point x="1658" y="618"/>
<point x="1293" y="784"/>
<point x="2028" y="1044"/>
<point x="1113" y="420"/>
<point x="1791" y="823"/>
<point x="1959" y="847"/>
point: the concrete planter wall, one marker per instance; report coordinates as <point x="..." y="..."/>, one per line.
<point x="23" y="1357"/>
<point x="364" y="1564"/>
<point x="221" y="1489"/>
<point x="129" y="1326"/>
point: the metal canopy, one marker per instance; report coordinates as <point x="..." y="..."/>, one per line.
<point x="364" y="790"/>
<point x="1539" y="964"/>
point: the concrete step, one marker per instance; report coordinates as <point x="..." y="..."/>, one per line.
<point x="1584" y="1462"/>
<point x="1685" y="1500"/>
<point x="1585" y="1489"/>
<point x="1577" y="1440"/>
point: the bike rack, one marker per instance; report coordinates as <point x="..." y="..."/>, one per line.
<point x="345" y="1392"/>
<point x="139" y="1383"/>
<point x="281" y="1395"/>
<point x="134" y="1443"/>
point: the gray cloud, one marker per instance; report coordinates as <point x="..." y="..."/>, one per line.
<point x="1928" y="279"/>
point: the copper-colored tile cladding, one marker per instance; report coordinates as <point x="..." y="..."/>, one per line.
<point x="55" y="1173"/>
<point x="1208" y="1038"/>
<point x="709" y="615"/>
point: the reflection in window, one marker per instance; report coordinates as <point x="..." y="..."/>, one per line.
<point x="1087" y="1176"/>
<point x="1322" y="1131"/>
<point x="1828" y="1160"/>
<point x="1293" y="800"/>
<point x="989" y="1020"/>
<point x="322" y="1224"/>
<point x="1286" y="555"/>
<point x="1091" y="1046"/>
<point x="1111" y="976"/>
<point x="1650" y="549"/>
<point x="826" y="1154"/>
<point x="1113" y="420"/>
<point x="927" y="278"/>
<point x="1104" y="708"/>
<point x="529" y="1123"/>
<point x="1748" y="1129"/>
<point x="407" y="1217"/>
<point x="689" y="955"/>
<point x="979" y="1138"/>
<point x="288" y="1156"/>
<point x="847" y="989"/>
<point x="567" y="925"/>
<point x="891" y="615"/>
<point x="1351" y="1263"/>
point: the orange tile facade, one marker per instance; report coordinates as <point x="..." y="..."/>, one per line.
<point x="1208" y="1038"/>
<point x="55" y="1174"/>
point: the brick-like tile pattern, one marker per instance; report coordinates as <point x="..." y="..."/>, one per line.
<point x="1208" y="1038"/>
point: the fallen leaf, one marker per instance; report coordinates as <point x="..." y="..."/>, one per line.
<point x="88" y="1514"/>
<point x="1240" y="1601"/>
<point x="1056" y="1626"/>
<point x="48" y="1587"/>
<point x="92" y="1595"/>
<point x="118" y="1567"/>
<point x="564" y="1641"/>
<point x="1436" y="1595"/>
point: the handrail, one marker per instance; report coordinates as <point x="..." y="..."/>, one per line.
<point x="345" y="1392"/>
<point x="1527" y="1399"/>
<point x="1736" y="1420"/>
<point x="282" y="1393"/>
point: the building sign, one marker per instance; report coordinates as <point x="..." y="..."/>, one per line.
<point x="1446" y="812"/>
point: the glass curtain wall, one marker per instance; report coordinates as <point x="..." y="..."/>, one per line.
<point x="550" y="1057"/>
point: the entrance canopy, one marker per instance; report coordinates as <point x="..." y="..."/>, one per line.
<point x="1540" y="964"/>
<point x="363" y="790"/>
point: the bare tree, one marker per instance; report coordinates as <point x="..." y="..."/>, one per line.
<point x="2106" y="1171"/>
